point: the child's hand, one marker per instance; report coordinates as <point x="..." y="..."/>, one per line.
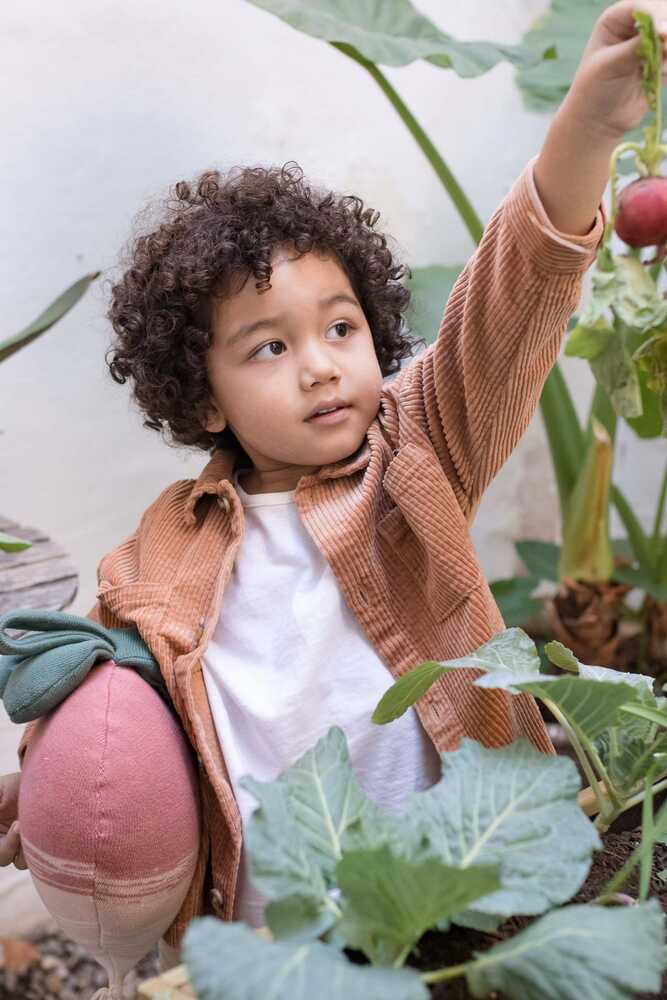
<point x="607" y="88"/>
<point x="11" y="851"/>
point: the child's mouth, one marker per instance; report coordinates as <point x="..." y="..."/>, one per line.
<point x="334" y="417"/>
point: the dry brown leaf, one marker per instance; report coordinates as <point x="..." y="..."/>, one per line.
<point x="17" y="955"/>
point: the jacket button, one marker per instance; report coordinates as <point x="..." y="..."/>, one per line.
<point x="223" y="502"/>
<point x="216" y="899"/>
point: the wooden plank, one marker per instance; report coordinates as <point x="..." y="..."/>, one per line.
<point x="49" y="570"/>
<point x="51" y="597"/>
<point x="171" y="985"/>
<point x="42" y="576"/>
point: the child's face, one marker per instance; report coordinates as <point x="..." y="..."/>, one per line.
<point x="266" y="384"/>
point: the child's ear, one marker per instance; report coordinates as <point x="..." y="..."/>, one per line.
<point x="215" y="421"/>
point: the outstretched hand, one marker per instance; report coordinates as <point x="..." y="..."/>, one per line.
<point x="607" y="88"/>
<point x="11" y="851"/>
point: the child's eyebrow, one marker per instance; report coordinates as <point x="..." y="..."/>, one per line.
<point x="273" y="321"/>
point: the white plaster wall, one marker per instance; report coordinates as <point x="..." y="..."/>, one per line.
<point x="106" y="105"/>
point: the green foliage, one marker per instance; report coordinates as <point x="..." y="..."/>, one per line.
<point x="565" y="25"/>
<point x="543" y="957"/>
<point x="501" y="833"/>
<point x="513" y="597"/>
<point x="228" y="961"/>
<point x="614" y="719"/>
<point x="395" y="33"/>
<point x="430" y="287"/>
<point x="46" y="319"/>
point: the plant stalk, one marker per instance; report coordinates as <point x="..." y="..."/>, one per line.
<point x="639" y="797"/>
<point x="657" y="524"/>
<point x="616" y="883"/>
<point x="468" y="214"/>
<point x="646" y="862"/>
<point x="602" y="801"/>
<point x="441" y="975"/>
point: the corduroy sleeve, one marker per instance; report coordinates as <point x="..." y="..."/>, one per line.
<point x="474" y="391"/>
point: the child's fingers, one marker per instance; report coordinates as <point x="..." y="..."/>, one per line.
<point x="10" y="848"/>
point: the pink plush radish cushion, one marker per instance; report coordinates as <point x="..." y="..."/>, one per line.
<point x="109" y="815"/>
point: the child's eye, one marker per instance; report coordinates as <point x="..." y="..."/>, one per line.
<point x="257" y="353"/>
<point x="341" y="322"/>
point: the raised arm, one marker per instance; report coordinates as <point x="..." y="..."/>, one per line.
<point x="474" y="391"/>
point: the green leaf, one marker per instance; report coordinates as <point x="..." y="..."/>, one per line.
<point x="511" y="806"/>
<point x="631" y="760"/>
<point x="391" y="902"/>
<point x="649" y="425"/>
<point x="622" y="548"/>
<point x="564" y="434"/>
<point x="540" y="558"/>
<point x="394" y="33"/>
<point x="634" y="294"/>
<point x="510" y="661"/>
<point x="513" y="598"/>
<point x="618" y="375"/>
<point x="589" y="706"/>
<point x="229" y="961"/>
<point x="55" y="311"/>
<point x="10" y="544"/>
<point x="561" y="656"/>
<point x="407" y="690"/>
<point x="642" y="682"/>
<point x="646" y="712"/>
<point x="565" y="25"/>
<point x="430" y="288"/>
<point x="294" y="838"/>
<point x="299" y="918"/>
<point x="588" y="341"/>
<point x="650" y="55"/>
<point x="280" y="862"/>
<point x="577" y="951"/>
<point x="508" y="658"/>
<point x="651" y="357"/>
<point x="640" y="578"/>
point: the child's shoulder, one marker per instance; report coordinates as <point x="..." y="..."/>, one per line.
<point x="170" y="503"/>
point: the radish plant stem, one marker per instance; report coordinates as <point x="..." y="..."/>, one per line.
<point x="603" y="804"/>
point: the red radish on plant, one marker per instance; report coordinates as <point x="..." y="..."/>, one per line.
<point x="641" y="219"/>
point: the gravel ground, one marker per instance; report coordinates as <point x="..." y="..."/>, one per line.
<point x="66" y="971"/>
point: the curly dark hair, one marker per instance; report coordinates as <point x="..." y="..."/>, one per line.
<point x="210" y="233"/>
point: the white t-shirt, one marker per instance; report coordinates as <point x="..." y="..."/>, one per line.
<point x="287" y="661"/>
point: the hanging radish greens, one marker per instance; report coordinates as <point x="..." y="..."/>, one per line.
<point x="632" y="346"/>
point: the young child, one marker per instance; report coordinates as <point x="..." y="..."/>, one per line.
<point x="318" y="557"/>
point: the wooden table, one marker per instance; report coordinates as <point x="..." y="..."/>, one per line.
<point x="42" y="576"/>
<point x="172" y="985"/>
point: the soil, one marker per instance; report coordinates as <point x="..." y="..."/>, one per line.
<point x="436" y="950"/>
<point x="65" y="970"/>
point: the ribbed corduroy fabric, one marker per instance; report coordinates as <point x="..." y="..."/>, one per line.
<point x="392" y="520"/>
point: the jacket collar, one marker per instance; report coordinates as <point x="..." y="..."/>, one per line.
<point x="225" y="460"/>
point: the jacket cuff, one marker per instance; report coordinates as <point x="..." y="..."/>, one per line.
<point x="548" y="248"/>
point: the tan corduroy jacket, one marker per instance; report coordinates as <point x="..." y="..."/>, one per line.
<point x="392" y="520"/>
